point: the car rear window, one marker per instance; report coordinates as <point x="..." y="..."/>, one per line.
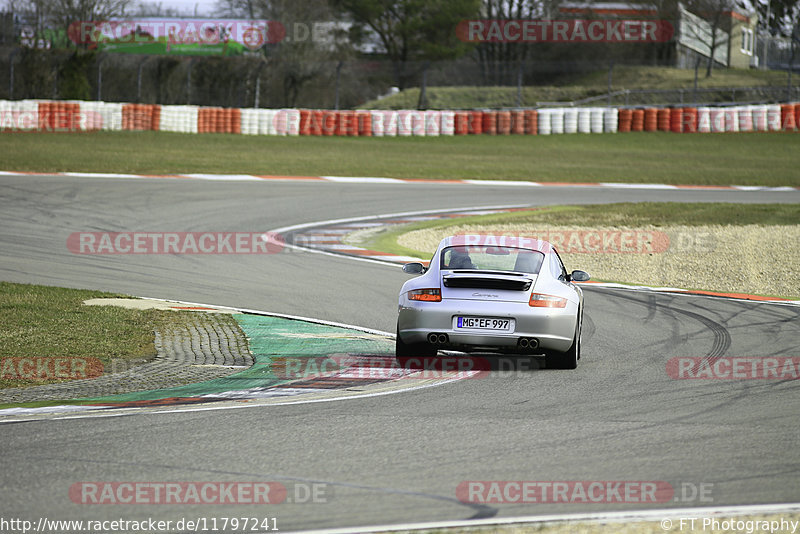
<point x="491" y="258"/>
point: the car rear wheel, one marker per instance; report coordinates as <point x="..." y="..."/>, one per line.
<point x="568" y="359"/>
<point x="408" y="350"/>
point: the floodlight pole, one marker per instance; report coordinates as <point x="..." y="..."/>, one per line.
<point x="100" y="78"/>
<point x="769" y="35"/>
<point x="11" y="73"/>
<point x="336" y="94"/>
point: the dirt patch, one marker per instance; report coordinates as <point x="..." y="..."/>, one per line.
<point x="763" y="260"/>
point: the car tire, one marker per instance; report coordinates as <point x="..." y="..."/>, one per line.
<point x="568" y="359"/>
<point x="415" y="350"/>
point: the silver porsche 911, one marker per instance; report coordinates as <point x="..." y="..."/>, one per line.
<point x="486" y="293"/>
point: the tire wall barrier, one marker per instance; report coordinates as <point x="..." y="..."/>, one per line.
<point x="77" y="116"/>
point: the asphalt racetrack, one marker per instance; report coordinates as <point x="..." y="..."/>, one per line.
<point x="398" y="458"/>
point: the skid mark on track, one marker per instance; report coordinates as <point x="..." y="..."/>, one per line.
<point x="722" y="338"/>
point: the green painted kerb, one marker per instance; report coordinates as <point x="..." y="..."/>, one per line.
<point x="271" y="338"/>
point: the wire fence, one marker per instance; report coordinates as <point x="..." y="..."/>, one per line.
<point x="259" y="81"/>
<point x="240" y="81"/>
<point x="688" y="97"/>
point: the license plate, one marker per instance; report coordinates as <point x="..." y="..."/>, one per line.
<point x="494" y="324"/>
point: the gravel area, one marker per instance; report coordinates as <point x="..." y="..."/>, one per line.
<point x="763" y="260"/>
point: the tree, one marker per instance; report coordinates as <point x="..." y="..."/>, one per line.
<point x="313" y="43"/>
<point x="713" y="29"/>
<point x="65" y="12"/>
<point x="238" y="8"/>
<point x="59" y="14"/>
<point x="499" y="61"/>
<point x="157" y="9"/>
<point x="411" y="30"/>
<point x="74" y="83"/>
<point x="778" y="16"/>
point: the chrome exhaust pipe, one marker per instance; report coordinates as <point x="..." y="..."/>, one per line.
<point x="437" y="339"/>
<point x="528" y="343"/>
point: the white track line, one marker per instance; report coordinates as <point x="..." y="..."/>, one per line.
<point x="364" y="180"/>
<point x="391" y="181"/>
<point x="210" y="407"/>
<point x="512" y="183"/>
<point x="280" y="315"/>
<point x="99" y="175"/>
<point x="367" y="218"/>
<point x="231" y="177"/>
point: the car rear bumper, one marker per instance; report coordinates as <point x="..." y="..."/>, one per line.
<point x="552" y="328"/>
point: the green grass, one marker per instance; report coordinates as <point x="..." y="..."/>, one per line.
<point x="580" y="87"/>
<point x="635" y="77"/>
<point x="51" y="322"/>
<point x="386" y="240"/>
<point x="770" y="159"/>
<point x="623" y="214"/>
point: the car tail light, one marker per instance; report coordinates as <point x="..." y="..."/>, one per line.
<point x="539" y="300"/>
<point x="430" y="295"/>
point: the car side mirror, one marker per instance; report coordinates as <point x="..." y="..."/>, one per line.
<point x="414" y="268"/>
<point x="578" y="276"/>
